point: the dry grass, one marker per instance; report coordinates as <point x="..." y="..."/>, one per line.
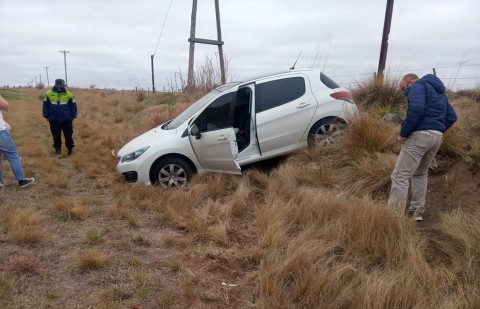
<point x="69" y="209"/>
<point x="368" y="135"/>
<point x="24" y="225"/>
<point x="23" y="263"/>
<point x="91" y="259"/>
<point x="370" y="93"/>
<point x="311" y="232"/>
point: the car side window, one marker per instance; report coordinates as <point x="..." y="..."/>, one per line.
<point x="218" y="115"/>
<point x="278" y="92"/>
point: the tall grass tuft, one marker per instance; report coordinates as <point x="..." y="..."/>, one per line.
<point x="24" y="225"/>
<point x="373" y="93"/>
<point x="366" y="135"/>
<point x="90" y="259"/>
<point x="454" y="143"/>
<point x="360" y="178"/>
<point x="456" y="239"/>
<point x="330" y="250"/>
<point x="472" y="94"/>
<point x="69" y="209"/>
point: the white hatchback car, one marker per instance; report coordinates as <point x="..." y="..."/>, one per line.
<point x="237" y="124"/>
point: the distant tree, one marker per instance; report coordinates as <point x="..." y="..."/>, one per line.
<point x="93" y="86"/>
<point x="40" y="86"/>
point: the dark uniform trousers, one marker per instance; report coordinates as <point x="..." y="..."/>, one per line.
<point x="56" y="128"/>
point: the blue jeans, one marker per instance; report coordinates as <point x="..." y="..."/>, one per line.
<point x="10" y="151"/>
<point x="1" y="168"/>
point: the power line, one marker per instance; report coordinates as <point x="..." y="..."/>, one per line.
<point x="445" y="67"/>
<point x="409" y="70"/>
<point x="473" y="77"/>
<point x="93" y="19"/>
<point x="158" y="42"/>
<point x="161" y="31"/>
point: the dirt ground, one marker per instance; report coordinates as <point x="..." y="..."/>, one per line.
<point x="455" y="184"/>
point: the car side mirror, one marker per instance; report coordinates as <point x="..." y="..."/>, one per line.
<point x="195" y="131"/>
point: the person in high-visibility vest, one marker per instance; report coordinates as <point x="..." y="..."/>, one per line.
<point x="60" y="108"/>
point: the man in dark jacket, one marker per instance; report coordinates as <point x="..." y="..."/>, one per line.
<point x="429" y="115"/>
<point x="60" y="108"/>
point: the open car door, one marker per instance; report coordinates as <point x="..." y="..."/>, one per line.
<point x="213" y="139"/>
<point x="216" y="151"/>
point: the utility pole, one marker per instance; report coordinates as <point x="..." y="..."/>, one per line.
<point x="48" y="81"/>
<point x="35" y="81"/>
<point x="40" y="78"/>
<point x="153" y="77"/>
<point x="191" y="53"/>
<point x="219" y="39"/>
<point x="384" y="47"/>
<point x="193" y="40"/>
<point x="65" y="52"/>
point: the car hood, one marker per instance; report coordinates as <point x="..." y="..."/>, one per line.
<point x="149" y="138"/>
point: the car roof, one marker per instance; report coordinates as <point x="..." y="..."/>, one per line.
<point x="272" y="74"/>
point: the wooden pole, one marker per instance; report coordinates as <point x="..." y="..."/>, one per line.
<point x="153" y="77"/>
<point x="191" y="54"/>
<point x="219" y="38"/>
<point x="193" y="40"/>
<point x="384" y="47"/>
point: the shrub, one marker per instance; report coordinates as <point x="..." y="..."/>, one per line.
<point x="371" y="92"/>
<point x="473" y="94"/>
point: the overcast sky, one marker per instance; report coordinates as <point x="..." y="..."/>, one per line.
<point x="110" y="41"/>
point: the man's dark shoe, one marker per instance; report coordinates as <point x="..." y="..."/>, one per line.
<point x="70" y="151"/>
<point x="26" y="182"/>
<point x="57" y="152"/>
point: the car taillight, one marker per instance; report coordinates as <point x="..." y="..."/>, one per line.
<point x="342" y="95"/>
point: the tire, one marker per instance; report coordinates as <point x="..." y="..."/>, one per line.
<point x="326" y="131"/>
<point x="171" y="173"/>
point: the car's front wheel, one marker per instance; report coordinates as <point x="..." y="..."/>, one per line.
<point x="326" y="131"/>
<point x="172" y="173"/>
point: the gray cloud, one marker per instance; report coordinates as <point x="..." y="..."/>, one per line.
<point x="110" y="42"/>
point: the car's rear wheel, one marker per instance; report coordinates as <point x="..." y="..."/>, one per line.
<point x="326" y="131"/>
<point x="172" y="173"/>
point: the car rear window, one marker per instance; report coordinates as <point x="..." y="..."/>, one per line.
<point x="327" y="81"/>
<point x="278" y="92"/>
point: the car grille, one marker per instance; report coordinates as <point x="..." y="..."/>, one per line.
<point x="131" y="176"/>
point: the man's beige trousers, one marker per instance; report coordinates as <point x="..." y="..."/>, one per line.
<point x="413" y="162"/>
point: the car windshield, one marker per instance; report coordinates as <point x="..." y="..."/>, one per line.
<point x="195" y="107"/>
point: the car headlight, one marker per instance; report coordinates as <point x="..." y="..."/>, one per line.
<point x="133" y="155"/>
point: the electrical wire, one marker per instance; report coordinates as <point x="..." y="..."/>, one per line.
<point x="410" y="70"/>
<point x="92" y="20"/>
<point x="163" y="26"/>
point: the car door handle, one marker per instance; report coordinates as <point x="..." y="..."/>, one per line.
<point x="222" y="138"/>
<point x="302" y="105"/>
